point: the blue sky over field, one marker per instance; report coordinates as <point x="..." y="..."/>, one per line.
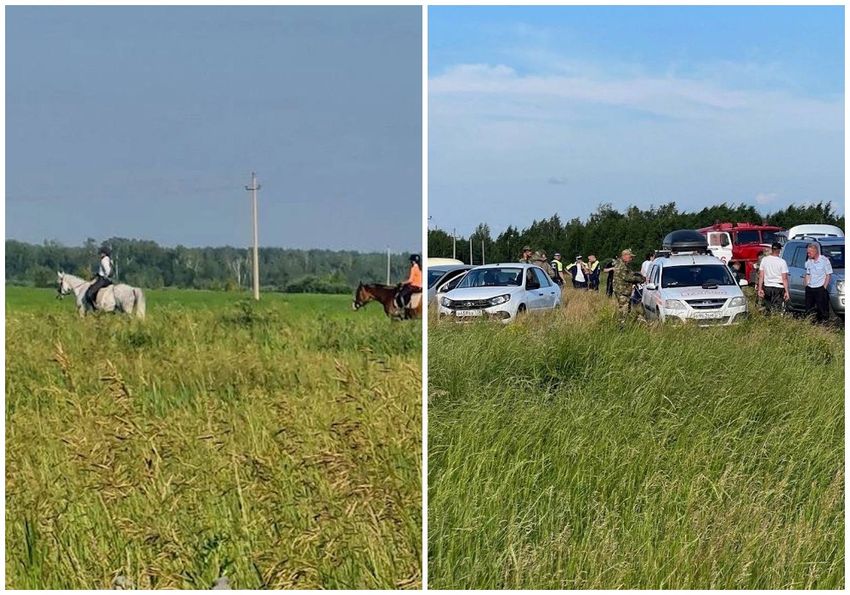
<point x="538" y="110"/>
<point x="146" y="122"/>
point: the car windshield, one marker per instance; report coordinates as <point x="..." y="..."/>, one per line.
<point x="492" y="277"/>
<point x="435" y="275"/>
<point x="768" y="237"/>
<point x="697" y="275"/>
<point x="835" y="254"/>
<point x="748" y="237"/>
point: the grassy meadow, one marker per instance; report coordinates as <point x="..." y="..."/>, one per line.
<point x="277" y="444"/>
<point x="565" y="452"/>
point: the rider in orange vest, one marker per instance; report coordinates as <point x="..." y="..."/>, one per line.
<point x="413" y="283"/>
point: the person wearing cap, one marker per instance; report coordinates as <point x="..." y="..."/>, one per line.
<point x="539" y="258"/>
<point x="558" y="268"/>
<point x="526" y="254"/>
<point x="579" y="272"/>
<point x="624" y="283"/>
<point x="818" y="272"/>
<point x="104" y="272"/>
<point x="773" y="281"/>
<point x="413" y="284"/>
<point x="593" y="272"/>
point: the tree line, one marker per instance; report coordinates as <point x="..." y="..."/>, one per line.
<point x="146" y="264"/>
<point x="607" y="231"/>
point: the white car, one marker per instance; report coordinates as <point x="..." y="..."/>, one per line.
<point x="500" y="292"/>
<point x="695" y="287"/>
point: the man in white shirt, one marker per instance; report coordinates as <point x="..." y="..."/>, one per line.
<point x="773" y="281"/>
<point x="818" y="272"/>
<point x="579" y="272"/>
<point x="104" y="272"/>
<point x="646" y="265"/>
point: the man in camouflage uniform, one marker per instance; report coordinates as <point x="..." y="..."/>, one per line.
<point x="526" y="254"/>
<point x="624" y="281"/>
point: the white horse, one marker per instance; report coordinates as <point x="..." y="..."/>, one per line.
<point x="112" y="298"/>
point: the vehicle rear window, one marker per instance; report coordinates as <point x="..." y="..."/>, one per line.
<point x="768" y="237"/>
<point x="492" y="277"/>
<point x="696" y="276"/>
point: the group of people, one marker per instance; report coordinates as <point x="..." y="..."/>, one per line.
<point x="583" y="275"/>
<point x="772" y="284"/>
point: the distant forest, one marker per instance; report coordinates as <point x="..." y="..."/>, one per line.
<point x="607" y="231"/>
<point x="149" y="265"/>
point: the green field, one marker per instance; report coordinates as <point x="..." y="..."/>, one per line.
<point x="567" y="453"/>
<point x="276" y="444"/>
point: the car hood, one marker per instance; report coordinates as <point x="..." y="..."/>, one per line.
<point x="480" y="293"/>
<point x="693" y="293"/>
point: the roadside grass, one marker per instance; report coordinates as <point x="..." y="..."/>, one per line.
<point x="565" y="452"/>
<point x="277" y="444"/>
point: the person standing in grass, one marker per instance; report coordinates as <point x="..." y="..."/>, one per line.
<point x="593" y="272"/>
<point x="624" y="283"/>
<point x="646" y="265"/>
<point x="773" y="281"/>
<point x="579" y="272"/>
<point x="558" y="268"/>
<point x="818" y="272"/>
<point x="609" y="281"/>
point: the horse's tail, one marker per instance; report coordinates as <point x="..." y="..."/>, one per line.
<point x="140" y="302"/>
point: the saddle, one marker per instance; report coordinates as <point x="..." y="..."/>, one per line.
<point x="412" y="302"/>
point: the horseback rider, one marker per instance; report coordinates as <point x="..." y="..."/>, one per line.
<point x="413" y="283"/>
<point x="102" y="280"/>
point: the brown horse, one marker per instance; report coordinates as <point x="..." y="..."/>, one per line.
<point x="385" y="294"/>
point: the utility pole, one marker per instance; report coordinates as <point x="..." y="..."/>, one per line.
<point x="388" y="265"/>
<point x="454" y="244"/>
<point x="253" y="190"/>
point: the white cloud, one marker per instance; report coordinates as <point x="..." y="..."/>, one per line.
<point x="764" y="198"/>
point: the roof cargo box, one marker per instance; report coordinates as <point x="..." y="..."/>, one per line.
<point x="685" y="240"/>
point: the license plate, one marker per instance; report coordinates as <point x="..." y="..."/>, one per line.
<point x="468" y="313"/>
<point x="706" y="315"/>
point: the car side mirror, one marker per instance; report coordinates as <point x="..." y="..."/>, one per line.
<point x="743" y="283"/>
<point x="651" y="286"/>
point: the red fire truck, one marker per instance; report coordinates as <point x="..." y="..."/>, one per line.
<point x="742" y="242"/>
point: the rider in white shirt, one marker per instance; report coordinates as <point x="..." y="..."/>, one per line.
<point x="104" y="272"/>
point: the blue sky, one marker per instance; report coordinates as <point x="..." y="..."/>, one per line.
<point x="146" y="122"/>
<point x="538" y="110"/>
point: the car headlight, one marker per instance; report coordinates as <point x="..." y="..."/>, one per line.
<point x="446" y="302"/>
<point x="839" y="286"/>
<point x="738" y="301"/>
<point x="674" y="305"/>
<point x="500" y="299"/>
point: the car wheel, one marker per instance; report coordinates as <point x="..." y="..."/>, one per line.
<point x="521" y="311"/>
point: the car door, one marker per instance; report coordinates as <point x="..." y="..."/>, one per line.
<point x="796" y="276"/>
<point x="548" y="290"/>
<point x="532" y="290"/>
<point x="720" y="245"/>
<point x="649" y="297"/>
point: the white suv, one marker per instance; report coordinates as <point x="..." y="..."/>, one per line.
<point x="692" y="286"/>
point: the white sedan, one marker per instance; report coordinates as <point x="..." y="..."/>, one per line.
<point x="500" y="292"/>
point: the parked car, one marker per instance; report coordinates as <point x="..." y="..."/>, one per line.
<point x="688" y="284"/>
<point x="501" y="292"/>
<point x="794" y="253"/>
<point x="444" y="278"/>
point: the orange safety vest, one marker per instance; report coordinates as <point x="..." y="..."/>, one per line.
<point x="415" y="277"/>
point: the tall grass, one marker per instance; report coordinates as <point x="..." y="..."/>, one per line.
<point x="568" y="453"/>
<point x="276" y="444"/>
